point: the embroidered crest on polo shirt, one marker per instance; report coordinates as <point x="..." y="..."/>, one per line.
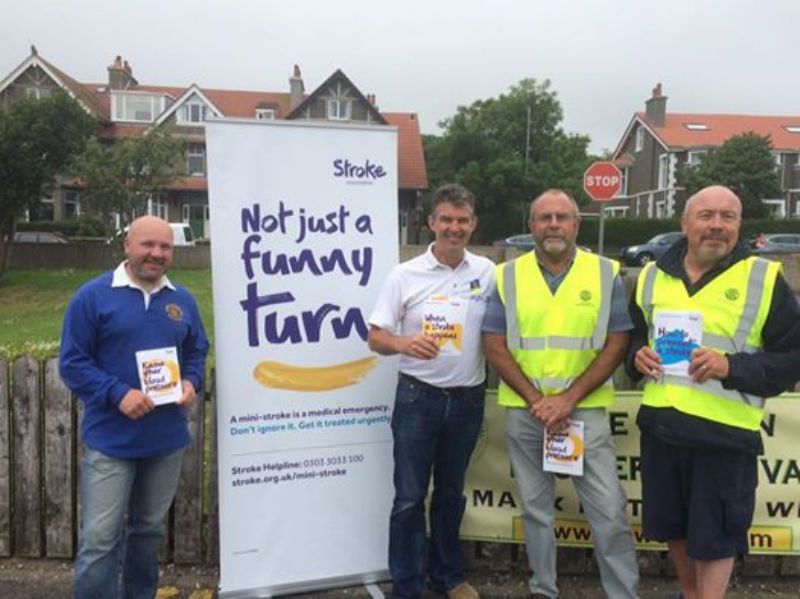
<point x="174" y="312"/>
<point x="585" y="295"/>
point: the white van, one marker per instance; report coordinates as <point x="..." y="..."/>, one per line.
<point x="182" y="234"/>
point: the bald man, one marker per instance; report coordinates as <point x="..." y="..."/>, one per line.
<point x="132" y="448"/>
<point x="700" y="428"/>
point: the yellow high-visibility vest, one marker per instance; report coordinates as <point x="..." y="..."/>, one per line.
<point x="555" y="337"/>
<point x="734" y="306"/>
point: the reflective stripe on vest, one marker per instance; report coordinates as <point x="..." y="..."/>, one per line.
<point x="736" y="343"/>
<point x="596" y="342"/>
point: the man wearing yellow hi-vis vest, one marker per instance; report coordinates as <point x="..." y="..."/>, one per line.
<point x="555" y="330"/>
<point x="716" y="331"/>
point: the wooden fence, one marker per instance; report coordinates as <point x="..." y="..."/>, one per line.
<point x="39" y="455"/>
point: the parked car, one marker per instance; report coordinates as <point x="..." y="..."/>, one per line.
<point x="639" y="255"/>
<point x="39" y="237"/>
<point x="777" y="243"/>
<point x="523" y="241"/>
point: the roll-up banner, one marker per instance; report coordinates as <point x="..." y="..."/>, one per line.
<point x="494" y="507"/>
<point x="304" y="221"/>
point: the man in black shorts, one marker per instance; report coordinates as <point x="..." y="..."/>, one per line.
<point x="700" y="427"/>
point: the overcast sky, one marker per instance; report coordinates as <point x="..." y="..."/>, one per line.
<point x="603" y="57"/>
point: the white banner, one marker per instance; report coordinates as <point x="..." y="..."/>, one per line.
<point x="304" y="221"/>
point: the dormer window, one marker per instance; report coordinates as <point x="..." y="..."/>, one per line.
<point x="639" y="139"/>
<point x="696" y="126"/>
<point x="137" y="108"/>
<point x="192" y="113"/>
<point x="338" y="109"/>
<point x="265" y="113"/>
<point x="792" y="128"/>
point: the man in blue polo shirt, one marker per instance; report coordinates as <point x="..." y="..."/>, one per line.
<point x="133" y="448"/>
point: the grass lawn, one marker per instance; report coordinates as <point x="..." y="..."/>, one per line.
<point x="32" y="304"/>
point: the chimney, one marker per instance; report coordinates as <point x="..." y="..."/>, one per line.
<point x="120" y="75"/>
<point x="656" y="107"/>
<point x="296" y="88"/>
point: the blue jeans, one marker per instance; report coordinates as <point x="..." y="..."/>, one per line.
<point x="111" y="543"/>
<point x="435" y="429"/>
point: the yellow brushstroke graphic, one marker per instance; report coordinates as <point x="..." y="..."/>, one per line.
<point x="278" y="375"/>
<point x="444" y="334"/>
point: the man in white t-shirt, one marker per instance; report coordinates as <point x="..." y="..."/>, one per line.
<point x="430" y="311"/>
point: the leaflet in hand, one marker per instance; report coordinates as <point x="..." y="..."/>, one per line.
<point x="563" y="451"/>
<point x="443" y="319"/>
<point x="677" y="335"/>
<point x="160" y="374"/>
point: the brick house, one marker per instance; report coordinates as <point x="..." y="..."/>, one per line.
<point x="657" y="145"/>
<point x="124" y="107"/>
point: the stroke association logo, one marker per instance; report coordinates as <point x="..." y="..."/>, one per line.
<point x="357" y="173"/>
<point x="731" y="294"/>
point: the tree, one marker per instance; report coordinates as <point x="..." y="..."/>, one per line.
<point x="506" y="150"/>
<point x="38" y="138"/>
<point x="746" y="165"/>
<point x="121" y="177"/>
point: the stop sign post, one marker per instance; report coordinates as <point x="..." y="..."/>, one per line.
<point x="601" y="182"/>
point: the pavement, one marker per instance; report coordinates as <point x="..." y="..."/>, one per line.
<point x="51" y="579"/>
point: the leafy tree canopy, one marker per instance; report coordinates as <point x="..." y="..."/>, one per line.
<point x="507" y="150"/>
<point x="746" y="165"/>
<point x="121" y="177"/>
<point x="38" y="138"/>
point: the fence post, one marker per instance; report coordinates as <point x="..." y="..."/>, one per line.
<point x="26" y="427"/>
<point x="5" y="464"/>
<point x="188" y="516"/>
<point x="59" y="465"/>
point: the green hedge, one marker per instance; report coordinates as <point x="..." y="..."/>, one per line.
<point x="631" y="231"/>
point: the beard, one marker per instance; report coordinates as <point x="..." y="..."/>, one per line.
<point x="554" y="246"/>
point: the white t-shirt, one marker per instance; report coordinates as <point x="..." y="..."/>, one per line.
<point x="423" y="289"/>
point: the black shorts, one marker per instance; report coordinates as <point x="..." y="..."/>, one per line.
<point x="705" y="496"/>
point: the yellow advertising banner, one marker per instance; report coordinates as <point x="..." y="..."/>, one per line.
<point x="494" y="508"/>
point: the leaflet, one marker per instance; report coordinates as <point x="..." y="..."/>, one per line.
<point x="563" y="451"/>
<point x="443" y="319"/>
<point x="677" y="335"/>
<point x="160" y="374"/>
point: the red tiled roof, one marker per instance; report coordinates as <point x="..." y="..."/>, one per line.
<point x="413" y="173"/>
<point x="189" y="184"/>
<point x="242" y="104"/>
<point x="721" y="127"/>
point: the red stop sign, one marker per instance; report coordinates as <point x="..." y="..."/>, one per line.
<point x="602" y="181"/>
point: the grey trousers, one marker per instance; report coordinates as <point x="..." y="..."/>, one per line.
<point x="600" y="494"/>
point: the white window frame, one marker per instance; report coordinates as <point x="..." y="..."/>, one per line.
<point x="339" y="109"/>
<point x="777" y="157"/>
<point x="76" y="201"/>
<point x="663" y="171"/>
<point x="616" y="211"/>
<point x="777" y="207"/>
<point x="119" y="103"/>
<point x="195" y="151"/>
<point x="157" y="208"/>
<point x="266" y="114"/>
<point x="695" y="157"/>
<point x="623" y="188"/>
<point x="38" y="93"/>
<point x="639" y="139"/>
<point x="185" y="114"/>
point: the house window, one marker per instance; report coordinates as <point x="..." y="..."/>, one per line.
<point x="37" y="93"/>
<point x="157" y="208"/>
<point x="777" y="207"/>
<point x="776" y="156"/>
<point x="43" y="211"/>
<point x="696" y="126"/>
<point x="695" y="157"/>
<point x="639" y="140"/>
<point x="338" y="109"/>
<point x="137" y="108"/>
<point x="663" y="171"/>
<point x="196" y="160"/>
<point x="192" y="112"/>
<point x="623" y="189"/>
<point x="71" y="200"/>
<point x="792" y="128"/>
<point x="265" y="113"/>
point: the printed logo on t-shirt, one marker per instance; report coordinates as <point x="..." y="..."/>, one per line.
<point x="174" y="312"/>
